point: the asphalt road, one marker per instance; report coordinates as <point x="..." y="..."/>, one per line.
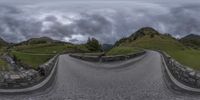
<point x="142" y="78"/>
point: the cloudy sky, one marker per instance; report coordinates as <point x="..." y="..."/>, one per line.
<point x="108" y="20"/>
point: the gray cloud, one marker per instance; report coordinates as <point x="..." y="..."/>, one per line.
<point x="107" y="24"/>
<point x="183" y="20"/>
<point x="15" y="27"/>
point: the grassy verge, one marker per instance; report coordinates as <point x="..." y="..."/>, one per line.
<point x="3" y="65"/>
<point x="188" y="57"/>
<point x="122" y="51"/>
<point x="184" y="55"/>
<point x="32" y="60"/>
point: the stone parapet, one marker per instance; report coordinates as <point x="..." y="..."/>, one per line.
<point x="26" y="78"/>
<point x="102" y="58"/>
<point x="182" y="73"/>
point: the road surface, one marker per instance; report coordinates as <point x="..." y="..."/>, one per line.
<point x="141" y="78"/>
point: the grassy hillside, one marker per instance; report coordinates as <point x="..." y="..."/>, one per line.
<point x="37" y="51"/>
<point x="3" y="45"/>
<point x="36" y="56"/>
<point x="164" y="42"/>
<point x="50" y="48"/>
<point x="188" y="57"/>
<point x="3" y="65"/>
<point x="45" y="45"/>
<point x="191" y="40"/>
<point x="40" y="40"/>
<point x="31" y="60"/>
<point x="160" y="42"/>
<point x="33" y="56"/>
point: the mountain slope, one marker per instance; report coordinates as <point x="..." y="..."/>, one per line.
<point x="191" y="40"/>
<point x="149" y="38"/>
<point x="40" y="40"/>
<point x="46" y="45"/>
<point x="3" y="42"/>
<point x="138" y="34"/>
<point x="106" y="47"/>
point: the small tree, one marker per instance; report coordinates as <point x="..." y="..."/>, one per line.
<point x="93" y="45"/>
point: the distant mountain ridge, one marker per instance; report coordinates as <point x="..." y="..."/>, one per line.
<point x="191" y="40"/>
<point x="144" y="31"/>
<point x="143" y="35"/>
<point x="106" y="47"/>
<point x="3" y="42"/>
<point x="40" y="40"/>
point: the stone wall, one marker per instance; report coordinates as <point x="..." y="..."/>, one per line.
<point x="26" y="78"/>
<point x="86" y="58"/>
<point x="45" y="69"/>
<point x="102" y="58"/>
<point x="182" y="73"/>
<point x="23" y="78"/>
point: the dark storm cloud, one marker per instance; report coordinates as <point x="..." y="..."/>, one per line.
<point x="87" y="24"/>
<point x="93" y="24"/>
<point x="14" y="26"/>
<point x="106" y="24"/>
<point x="183" y="20"/>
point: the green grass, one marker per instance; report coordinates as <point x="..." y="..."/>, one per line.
<point x="189" y="57"/>
<point x="3" y="65"/>
<point x="46" y="50"/>
<point x="32" y="60"/>
<point x="156" y="43"/>
<point x="184" y="55"/>
<point x="122" y="51"/>
<point x="37" y="54"/>
<point x="51" y="48"/>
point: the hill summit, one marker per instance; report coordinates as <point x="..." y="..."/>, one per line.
<point x="144" y="31"/>
<point x="149" y="38"/>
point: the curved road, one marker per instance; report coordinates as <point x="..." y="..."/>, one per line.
<point x="142" y="78"/>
